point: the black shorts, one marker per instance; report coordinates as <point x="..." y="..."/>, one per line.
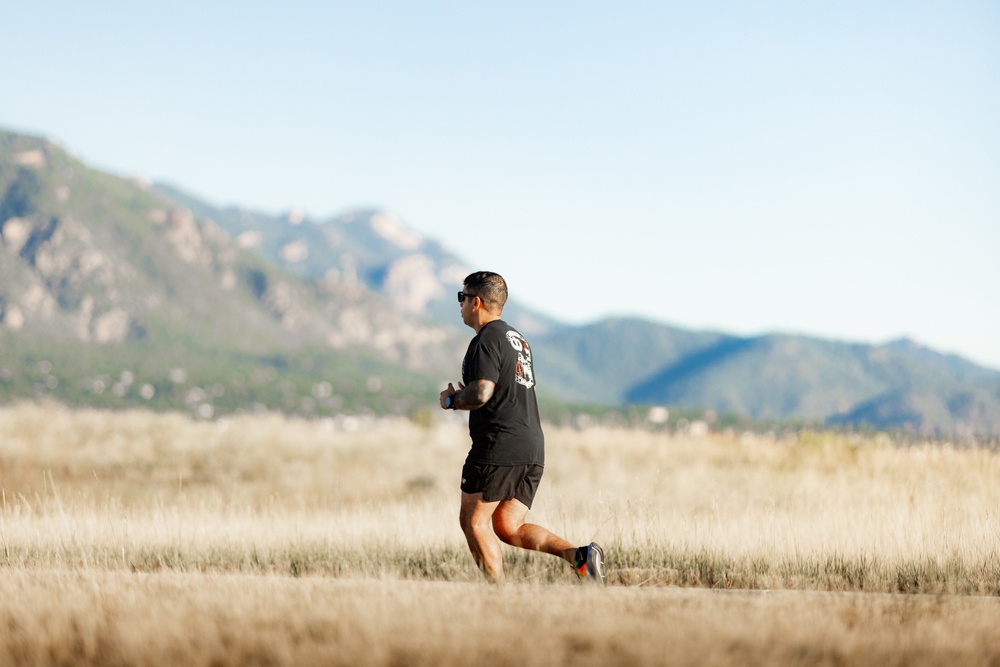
<point x="502" y="482"/>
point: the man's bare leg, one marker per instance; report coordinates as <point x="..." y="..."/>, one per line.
<point x="476" y="517"/>
<point x="508" y="522"/>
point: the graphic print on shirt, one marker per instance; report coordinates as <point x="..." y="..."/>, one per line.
<point x="524" y="374"/>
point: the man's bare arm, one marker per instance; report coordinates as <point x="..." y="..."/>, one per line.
<point x="471" y="397"/>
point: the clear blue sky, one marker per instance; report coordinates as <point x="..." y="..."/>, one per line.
<point x="829" y="169"/>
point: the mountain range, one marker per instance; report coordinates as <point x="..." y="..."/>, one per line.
<point x="117" y="292"/>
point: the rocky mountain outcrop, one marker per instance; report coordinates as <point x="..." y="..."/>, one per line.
<point x="369" y="247"/>
<point x="88" y="258"/>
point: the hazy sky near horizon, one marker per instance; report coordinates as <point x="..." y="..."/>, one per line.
<point x="827" y="169"/>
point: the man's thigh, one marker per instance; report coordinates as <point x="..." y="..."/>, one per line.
<point x="509" y="516"/>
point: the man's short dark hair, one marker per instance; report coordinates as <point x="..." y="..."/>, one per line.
<point x="490" y="287"/>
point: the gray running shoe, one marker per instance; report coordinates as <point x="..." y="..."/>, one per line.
<point x="590" y="563"/>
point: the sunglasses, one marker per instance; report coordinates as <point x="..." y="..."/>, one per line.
<point x="462" y="296"/>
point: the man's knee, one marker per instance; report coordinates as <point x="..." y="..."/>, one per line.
<point x="465" y="520"/>
<point x="474" y="515"/>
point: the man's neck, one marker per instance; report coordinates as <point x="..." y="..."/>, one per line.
<point x="485" y="321"/>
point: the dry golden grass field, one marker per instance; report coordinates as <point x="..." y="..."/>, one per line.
<point x="144" y="539"/>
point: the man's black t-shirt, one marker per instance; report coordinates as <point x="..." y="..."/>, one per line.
<point x="507" y="430"/>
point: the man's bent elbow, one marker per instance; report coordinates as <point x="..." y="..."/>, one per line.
<point x="483" y="392"/>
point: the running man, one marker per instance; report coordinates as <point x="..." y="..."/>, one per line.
<point x="504" y="465"/>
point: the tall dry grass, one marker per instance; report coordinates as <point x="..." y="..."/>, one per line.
<point x="137" y="538"/>
<point x="93" y="617"/>
<point x="147" y="492"/>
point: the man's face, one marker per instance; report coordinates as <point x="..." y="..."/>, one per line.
<point x="468" y="307"/>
